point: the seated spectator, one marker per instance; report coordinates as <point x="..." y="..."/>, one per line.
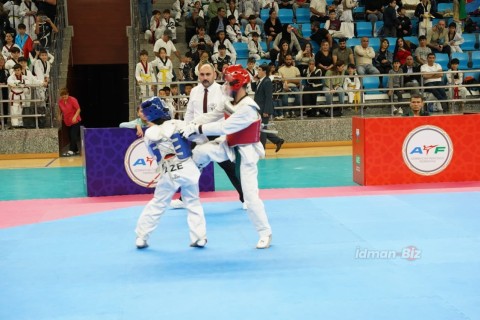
<point x="335" y="85"/>
<point x="252" y="26"/>
<point x="455" y="78"/>
<point x="324" y="58"/>
<point x="455" y="38"/>
<point x="374" y="12"/>
<point x="255" y="49"/>
<point x="437" y="39"/>
<point x="201" y="9"/>
<point x="303" y="57"/>
<point x="333" y="25"/>
<point x="272" y="27"/>
<point x="201" y="38"/>
<point x="156" y="28"/>
<point x="232" y="9"/>
<point x="169" y="23"/>
<point x="204" y="59"/>
<point x="364" y="58"/>
<point x="383" y="57"/>
<point x="282" y="55"/>
<point x="404" y="27"/>
<point x="213" y="8"/>
<point x="318" y="11"/>
<point x="270" y="5"/>
<point x="343" y="53"/>
<point x="431" y="72"/>
<point x="180" y="9"/>
<point x="285" y="36"/>
<point x="395" y="80"/>
<point x="402" y="50"/>
<point x="246" y="8"/>
<point x="222" y="39"/>
<point x="221" y="60"/>
<point x="192" y="23"/>
<point x="351" y="84"/>
<point x="285" y="4"/>
<point x="186" y="68"/>
<point x="233" y="31"/>
<point x="390" y="21"/>
<point x="311" y="85"/>
<point x="409" y="79"/>
<point x="217" y="24"/>
<point x="289" y="72"/>
<point x="422" y="51"/>
<point x="320" y="34"/>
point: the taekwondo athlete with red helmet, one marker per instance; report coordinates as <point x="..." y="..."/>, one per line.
<point x="177" y="170"/>
<point x="239" y="142"/>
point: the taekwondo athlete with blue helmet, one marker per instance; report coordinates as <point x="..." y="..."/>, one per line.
<point x="240" y="143"/>
<point x="177" y="170"/>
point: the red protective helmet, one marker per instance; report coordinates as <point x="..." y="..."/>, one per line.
<point x="236" y="76"/>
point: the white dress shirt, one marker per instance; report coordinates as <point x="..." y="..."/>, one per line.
<point x="195" y="104"/>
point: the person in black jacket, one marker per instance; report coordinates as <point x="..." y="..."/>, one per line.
<point x="218" y="23"/>
<point x="411" y="80"/>
<point x="263" y="97"/>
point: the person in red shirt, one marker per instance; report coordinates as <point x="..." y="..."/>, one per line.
<point x="70" y="112"/>
<point x="402" y="50"/>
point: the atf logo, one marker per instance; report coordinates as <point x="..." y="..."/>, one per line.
<point x="140" y="166"/>
<point x="427" y="150"/>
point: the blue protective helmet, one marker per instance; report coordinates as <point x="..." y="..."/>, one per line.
<point x="154" y="109"/>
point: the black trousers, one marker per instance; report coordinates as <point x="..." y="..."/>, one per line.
<point x="270" y="136"/>
<point x="74" y="136"/>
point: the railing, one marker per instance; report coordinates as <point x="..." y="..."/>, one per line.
<point x="376" y="100"/>
<point x="135" y="38"/>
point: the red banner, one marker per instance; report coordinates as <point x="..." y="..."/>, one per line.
<point x="405" y="150"/>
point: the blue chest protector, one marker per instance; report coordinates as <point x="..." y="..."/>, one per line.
<point x="180" y="144"/>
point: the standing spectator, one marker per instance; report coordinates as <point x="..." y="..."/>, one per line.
<point x="425" y="12"/>
<point x="14" y="12"/>
<point x="437" y="39"/>
<point x="334" y="83"/>
<point x="364" y="56"/>
<point x="17" y="83"/>
<point x="409" y="79"/>
<point x="289" y="72"/>
<point x="324" y="58"/>
<point x="49" y="8"/>
<point x="42" y="73"/>
<point x="455" y="38"/>
<point x="145" y="76"/>
<point x="186" y="68"/>
<point x="169" y="23"/>
<point x="28" y="10"/>
<point x="9" y="45"/>
<point x="374" y="12"/>
<point x="318" y="11"/>
<point x="179" y="10"/>
<point x="247" y="152"/>
<point x="347" y="7"/>
<point x="390" y="21"/>
<point x="263" y="97"/>
<point x="246" y="8"/>
<point x="70" y="114"/>
<point x="395" y="80"/>
<point x="44" y="28"/>
<point x="422" y="50"/>
<point x="23" y="40"/>
<point x="145" y="8"/>
<point x="404" y="27"/>
<point x="4" y="74"/>
<point x="343" y="53"/>
<point x="455" y="78"/>
<point x="13" y="59"/>
<point x="272" y="27"/>
<point x="165" y="68"/>
<point x="217" y="24"/>
<point x="433" y="78"/>
<point x="402" y="50"/>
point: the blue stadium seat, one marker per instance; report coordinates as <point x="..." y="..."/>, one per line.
<point x="464" y="59"/>
<point x="353" y="42"/>
<point x="242" y="62"/>
<point x="364" y="28"/>
<point x="264" y="14"/>
<point x="359" y="10"/>
<point x="443" y="60"/>
<point x="263" y="61"/>
<point x="378" y="25"/>
<point x="241" y="49"/>
<point x="306" y="30"/>
<point x="470" y="42"/>
<point x="442" y="7"/>
<point x="315" y="46"/>
<point x="375" y="44"/>
<point x="371" y="83"/>
<point x="285" y="15"/>
<point x="263" y="44"/>
<point x="303" y="15"/>
<point x="476" y="60"/>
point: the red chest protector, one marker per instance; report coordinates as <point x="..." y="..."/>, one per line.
<point x="249" y="135"/>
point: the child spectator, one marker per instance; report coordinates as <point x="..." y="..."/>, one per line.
<point x="455" y="38"/>
<point x="252" y="71"/>
<point x="44" y="27"/>
<point x="28" y="10"/>
<point x="395" y="80"/>
<point x="13" y="59"/>
<point x="13" y="9"/>
<point x="156" y="29"/>
<point x="233" y="31"/>
<point x="255" y="49"/>
<point x="455" y="78"/>
<point x="351" y="84"/>
<point x="165" y="68"/>
<point x="145" y="75"/>
<point x="221" y="60"/>
<point x="333" y="25"/>
<point x="8" y="46"/>
<point x="138" y="124"/>
<point x="23" y="41"/>
<point x="186" y="67"/>
<point x="169" y="24"/>
<point x="16" y="83"/>
<point x="42" y="73"/>
<point x="222" y="39"/>
<point x="404" y="28"/>
<point x="422" y="51"/>
<point x="252" y="27"/>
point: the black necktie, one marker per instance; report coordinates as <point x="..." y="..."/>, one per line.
<point x="205" y="97"/>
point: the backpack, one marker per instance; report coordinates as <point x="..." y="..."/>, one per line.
<point x="470" y="26"/>
<point x="470" y="80"/>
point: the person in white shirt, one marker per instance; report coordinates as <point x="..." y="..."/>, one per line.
<point x="145" y="74"/>
<point x="432" y="77"/>
<point x="165" y="42"/>
<point x="17" y="83"/>
<point x="42" y="73"/>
